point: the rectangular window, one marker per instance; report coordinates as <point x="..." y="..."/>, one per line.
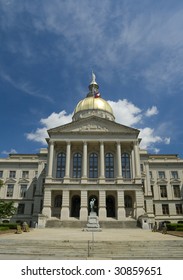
<point x="154" y="209"/>
<point x="161" y="174"/>
<point x="10" y="189"/>
<point x="174" y="174"/>
<point x="178" y="208"/>
<point x="23" y="190"/>
<point x="21" y="208"/>
<point x="34" y="190"/>
<point x="152" y="190"/>
<point x="163" y="191"/>
<point x="25" y="174"/>
<point x="1" y="174"/>
<point x="165" y="209"/>
<point x="12" y="174"/>
<point x="141" y="167"/>
<point x="176" y="191"/>
<point x="32" y="208"/>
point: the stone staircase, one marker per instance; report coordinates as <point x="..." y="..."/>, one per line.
<point x="111" y="223"/>
<point x="54" y="249"/>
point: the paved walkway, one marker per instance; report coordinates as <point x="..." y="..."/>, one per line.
<point x="70" y="234"/>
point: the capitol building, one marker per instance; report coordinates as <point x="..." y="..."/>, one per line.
<point x="93" y="157"/>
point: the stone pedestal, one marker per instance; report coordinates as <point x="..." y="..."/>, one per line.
<point x="93" y="223"/>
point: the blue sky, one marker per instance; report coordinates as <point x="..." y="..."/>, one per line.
<point x="48" y="50"/>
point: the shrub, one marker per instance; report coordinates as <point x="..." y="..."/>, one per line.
<point x="171" y="226"/>
<point x="4" y="228"/>
<point x="10" y="226"/>
<point x="179" y="229"/>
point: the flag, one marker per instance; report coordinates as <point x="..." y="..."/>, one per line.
<point x="96" y="94"/>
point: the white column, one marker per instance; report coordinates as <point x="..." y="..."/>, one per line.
<point x="50" y="162"/>
<point x="47" y="203"/>
<point x="102" y="205"/>
<point x="137" y="160"/>
<point x="65" y="206"/>
<point x="147" y="181"/>
<point x="84" y="206"/>
<point x="84" y="163"/>
<point x="133" y="165"/>
<point x="119" y="166"/>
<point x="102" y="161"/>
<point x="68" y="159"/>
<point x="121" y="206"/>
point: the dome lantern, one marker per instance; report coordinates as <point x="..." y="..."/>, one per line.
<point x="93" y="104"/>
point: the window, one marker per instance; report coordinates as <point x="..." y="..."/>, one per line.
<point x="178" y="208"/>
<point x="165" y="209"/>
<point x="109" y="165"/>
<point x="161" y="174"/>
<point x="23" y="189"/>
<point x="141" y="167"/>
<point x="61" y="160"/>
<point x="34" y="190"/>
<point x="126" y="165"/>
<point x="21" y="208"/>
<point x="25" y="174"/>
<point x="176" y="191"/>
<point x="152" y="190"/>
<point x="1" y="173"/>
<point x="58" y="201"/>
<point x="174" y="174"/>
<point x="93" y="165"/>
<point x="32" y="208"/>
<point x="10" y="189"/>
<point x="150" y="174"/>
<point x="12" y="174"/>
<point x="77" y="165"/>
<point x="154" y="209"/>
<point x="163" y="191"/>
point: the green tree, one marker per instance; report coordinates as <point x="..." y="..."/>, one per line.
<point x="1" y="184"/>
<point x="7" y="209"/>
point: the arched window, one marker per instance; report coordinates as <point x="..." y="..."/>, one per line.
<point x="61" y="158"/>
<point x="58" y="201"/>
<point x="93" y="165"/>
<point x="109" y="165"/>
<point x="125" y="159"/>
<point x="77" y="165"/>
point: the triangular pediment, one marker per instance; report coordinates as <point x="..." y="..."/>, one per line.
<point x="23" y="181"/>
<point x="10" y="181"/>
<point x="93" y="125"/>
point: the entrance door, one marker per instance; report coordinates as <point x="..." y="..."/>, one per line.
<point x="128" y="206"/>
<point x="75" y="206"/>
<point x="110" y="206"/>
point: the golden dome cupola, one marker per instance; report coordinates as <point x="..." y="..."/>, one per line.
<point x="93" y="104"/>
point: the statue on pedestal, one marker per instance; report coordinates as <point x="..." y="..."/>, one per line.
<point x="92" y="204"/>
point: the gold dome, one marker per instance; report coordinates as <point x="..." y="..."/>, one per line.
<point x="91" y="103"/>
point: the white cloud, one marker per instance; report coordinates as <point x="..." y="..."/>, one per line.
<point x="126" y="112"/>
<point x="151" y="111"/>
<point x="150" y="139"/>
<point x="54" y="120"/>
<point x="12" y="151"/>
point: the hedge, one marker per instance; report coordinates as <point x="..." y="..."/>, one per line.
<point x="4" y="228"/>
<point x="8" y="225"/>
<point x="173" y="226"/>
